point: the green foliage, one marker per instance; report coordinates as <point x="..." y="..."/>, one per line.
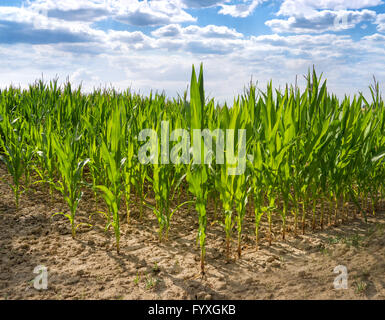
<point x="70" y="168"/>
<point x="308" y="154"/>
<point x="13" y="144"/>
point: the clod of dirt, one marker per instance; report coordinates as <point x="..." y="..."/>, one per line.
<point x="271" y="259"/>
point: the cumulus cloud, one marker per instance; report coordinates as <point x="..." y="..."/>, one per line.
<point x="83" y="74"/>
<point x="321" y="21"/>
<point x="126" y="36"/>
<point x="228" y="63"/>
<point x="208" y="40"/>
<point x="375" y="37"/>
<point x="380" y="21"/>
<point x="172" y="30"/>
<point x="210" y="31"/>
<point x="150" y="13"/>
<point x="317" y="16"/>
<point x="240" y="10"/>
<point x="202" y="3"/>
<point x="19" y="25"/>
<point x="134" y="12"/>
<point x="72" y="10"/>
<point x="298" y="7"/>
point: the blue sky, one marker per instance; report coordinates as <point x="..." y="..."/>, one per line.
<point x="152" y="44"/>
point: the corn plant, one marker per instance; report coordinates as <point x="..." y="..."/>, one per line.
<point x="70" y="168"/>
<point x="197" y="174"/>
<point x="12" y="142"/>
<point x="45" y="167"/>
<point x="112" y="157"/>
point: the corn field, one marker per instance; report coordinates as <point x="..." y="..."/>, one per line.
<point x="312" y="155"/>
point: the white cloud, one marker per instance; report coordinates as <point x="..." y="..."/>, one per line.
<point x="240" y="10"/>
<point x="150" y="13"/>
<point x="134" y="12"/>
<point x="83" y="74"/>
<point x="300" y="7"/>
<point x="380" y="21"/>
<point x="321" y="21"/>
<point x="126" y="36"/>
<point x="374" y="37"/>
<point x="72" y="10"/>
<point x="171" y="30"/>
<point x="317" y="16"/>
<point x="20" y="25"/>
<point x="203" y="3"/>
<point x="125" y="40"/>
<point x="144" y="63"/>
<point x="210" y="31"/>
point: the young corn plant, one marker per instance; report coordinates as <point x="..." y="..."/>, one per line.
<point x="45" y="167"/>
<point x="13" y="146"/>
<point x="127" y="161"/>
<point x="113" y="160"/>
<point x="257" y="188"/>
<point x="68" y="152"/>
<point x="197" y="174"/>
<point x="241" y="200"/>
<point x="232" y="185"/>
<point x="241" y="178"/>
<point x="165" y="182"/>
<point x="139" y="172"/>
<point x="226" y="188"/>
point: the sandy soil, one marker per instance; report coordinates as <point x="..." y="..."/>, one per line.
<point x="301" y="267"/>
